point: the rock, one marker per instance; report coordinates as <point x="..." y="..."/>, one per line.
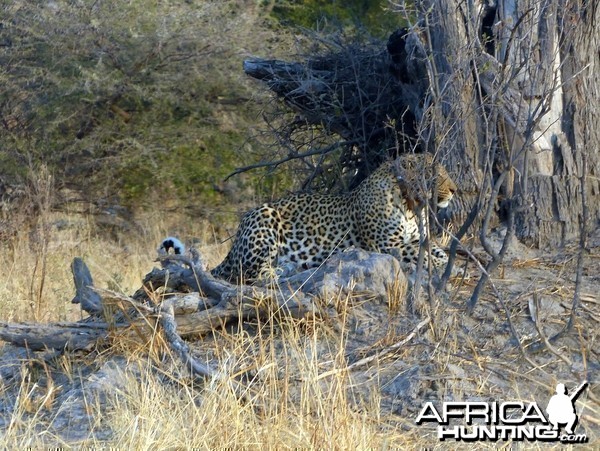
<point x="354" y="271"/>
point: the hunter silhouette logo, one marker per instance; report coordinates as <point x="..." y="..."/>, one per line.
<point x="561" y="408"/>
<point x="518" y="421"/>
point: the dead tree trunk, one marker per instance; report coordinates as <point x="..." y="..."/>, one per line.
<point x="559" y="41"/>
<point x="525" y="133"/>
<point x="208" y="304"/>
<point x="449" y="126"/>
<point x="506" y="95"/>
<point x="579" y="34"/>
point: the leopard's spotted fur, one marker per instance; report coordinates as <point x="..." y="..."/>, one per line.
<point x="302" y="230"/>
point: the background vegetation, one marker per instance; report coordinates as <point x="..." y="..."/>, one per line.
<point x="127" y="103"/>
<point x="144" y="104"/>
<point x="371" y="16"/>
<point x="119" y="121"/>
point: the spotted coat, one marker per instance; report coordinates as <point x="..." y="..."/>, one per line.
<point x="301" y="231"/>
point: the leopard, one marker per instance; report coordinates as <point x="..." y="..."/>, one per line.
<point x="385" y="213"/>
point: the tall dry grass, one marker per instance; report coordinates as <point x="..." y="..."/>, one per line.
<point x="282" y="385"/>
<point x="280" y="403"/>
<point x="37" y="284"/>
<point x="281" y="406"/>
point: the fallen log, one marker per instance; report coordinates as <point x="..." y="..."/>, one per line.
<point x="181" y="349"/>
<point x="40" y="337"/>
<point x="210" y="304"/>
<point x="182" y="299"/>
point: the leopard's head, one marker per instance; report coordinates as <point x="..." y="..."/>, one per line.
<point x="418" y="172"/>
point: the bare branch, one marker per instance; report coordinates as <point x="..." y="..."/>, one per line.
<point x="181" y="349"/>
<point x="290" y="157"/>
<point x="380" y="354"/>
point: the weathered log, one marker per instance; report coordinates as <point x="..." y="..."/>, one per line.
<point x="85" y="295"/>
<point x="39" y="337"/>
<point x="190" y="321"/>
<point x="291" y="302"/>
<point x="193" y="313"/>
<point x="181" y="349"/>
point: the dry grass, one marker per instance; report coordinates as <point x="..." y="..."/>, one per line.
<point x="113" y="264"/>
<point x="276" y="409"/>
<point x="282" y="404"/>
<point x="283" y="385"/>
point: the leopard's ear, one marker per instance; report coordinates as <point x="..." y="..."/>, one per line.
<point x="407" y="193"/>
<point x="410" y="202"/>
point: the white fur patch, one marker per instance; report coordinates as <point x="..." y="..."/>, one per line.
<point x="172" y="243"/>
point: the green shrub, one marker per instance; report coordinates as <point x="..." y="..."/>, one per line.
<point x="370" y="15"/>
<point x="127" y="100"/>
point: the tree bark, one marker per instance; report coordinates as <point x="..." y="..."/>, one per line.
<point x="545" y="69"/>
<point x="521" y="108"/>
<point x="39" y="337"/>
<point x="568" y="41"/>
<point x="581" y="113"/>
<point x="453" y="131"/>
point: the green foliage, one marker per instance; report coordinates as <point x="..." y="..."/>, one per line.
<point x="134" y="100"/>
<point x="371" y="15"/>
<point x="124" y="99"/>
<point x="12" y="167"/>
<point x="208" y="164"/>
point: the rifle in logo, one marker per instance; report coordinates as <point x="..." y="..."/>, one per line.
<point x="578" y="390"/>
<point x="561" y="408"/>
